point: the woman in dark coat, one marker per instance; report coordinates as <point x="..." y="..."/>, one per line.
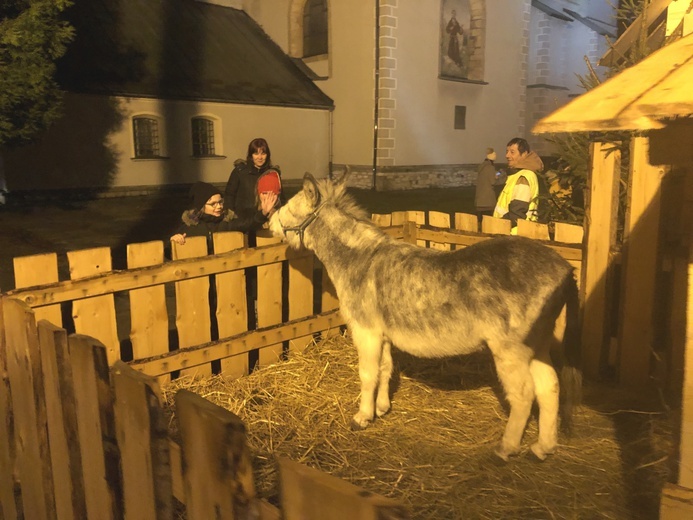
<point x="240" y="195"/>
<point x="208" y="215"/>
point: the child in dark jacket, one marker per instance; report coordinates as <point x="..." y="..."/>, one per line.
<point x="207" y="214"/>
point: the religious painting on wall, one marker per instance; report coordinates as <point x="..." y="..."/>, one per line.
<point x="454" y="39"/>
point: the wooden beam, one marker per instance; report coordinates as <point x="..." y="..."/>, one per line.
<point x="176" y="271"/>
<point x="238" y="344"/>
<point x="600" y="235"/>
<point x="639" y="266"/>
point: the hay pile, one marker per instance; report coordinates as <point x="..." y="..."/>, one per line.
<point x="434" y="451"/>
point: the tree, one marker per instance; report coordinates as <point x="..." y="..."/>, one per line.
<point x="567" y="178"/>
<point x="32" y="37"/>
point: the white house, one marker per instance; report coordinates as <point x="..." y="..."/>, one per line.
<point x="410" y="93"/>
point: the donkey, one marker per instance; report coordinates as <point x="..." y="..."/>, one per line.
<point x="503" y="293"/>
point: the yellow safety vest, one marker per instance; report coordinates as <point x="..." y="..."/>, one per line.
<point x="505" y="197"/>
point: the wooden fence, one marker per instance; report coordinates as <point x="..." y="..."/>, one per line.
<point x="83" y="434"/>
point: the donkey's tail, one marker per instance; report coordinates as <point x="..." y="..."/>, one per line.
<point x="571" y="373"/>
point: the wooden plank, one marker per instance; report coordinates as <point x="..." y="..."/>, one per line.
<point x="382" y="220"/>
<point x="29" y="407"/>
<point x="600" y="235"/>
<point x="686" y="443"/>
<point x="39" y="270"/>
<point x="569" y="252"/>
<point x="147" y="276"/>
<point x="217" y="466"/>
<point x="66" y="458"/>
<point x="419" y="217"/>
<point x="568" y="233"/>
<point x="177" y="471"/>
<point x="95" y="317"/>
<point x="440" y="220"/>
<point x="148" y="313"/>
<point x="639" y="266"/>
<point x="238" y="344"/>
<point x="232" y="304"/>
<point x="300" y="296"/>
<point x="142" y="435"/>
<point x="309" y="494"/>
<point x="676" y="503"/>
<point x="96" y="428"/>
<point x="526" y="228"/>
<point x="193" y="320"/>
<point x="269" y="301"/>
<point x="10" y="502"/>
<point x="495" y="226"/>
<point x="399" y="217"/>
<point x="466" y="222"/>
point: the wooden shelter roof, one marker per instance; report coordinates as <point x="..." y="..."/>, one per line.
<point x="641" y="97"/>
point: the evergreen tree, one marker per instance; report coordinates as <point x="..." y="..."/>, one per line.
<point x="567" y="178"/>
<point x="32" y="37"/>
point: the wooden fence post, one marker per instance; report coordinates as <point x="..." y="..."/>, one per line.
<point x="95" y="424"/>
<point x="39" y="270"/>
<point x="309" y="494"/>
<point x="148" y="312"/>
<point x="600" y="235"/>
<point x="95" y="317"/>
<point x="29" y="409"/>
<point x="641" y="243"/>
<point x="232" y="302"/>
<point x="217" y="468"/>
<point x="193" y="320"/>
<point x="8" y="482"/>
<point x="142" y="434"/>
<point x="66" y="458"/>
<point x="269" y="300"/>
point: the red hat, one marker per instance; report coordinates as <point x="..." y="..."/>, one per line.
<point x="270" y="181"/>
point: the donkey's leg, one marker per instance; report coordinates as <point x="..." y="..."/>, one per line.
<point x="369" y="345"/>
<point x="512" y="367"/>
<point x="546" y="389"/>
<point x="382" y="402"/>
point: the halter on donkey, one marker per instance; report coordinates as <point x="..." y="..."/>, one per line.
<point x="505" y="294"/>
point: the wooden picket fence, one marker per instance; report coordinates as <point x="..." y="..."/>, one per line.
<point x="83" y="433"/>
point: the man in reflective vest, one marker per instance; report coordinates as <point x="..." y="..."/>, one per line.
<point x="520" y="196"/>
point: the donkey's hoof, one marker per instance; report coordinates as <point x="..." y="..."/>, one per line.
<point x="540" y="452"/>
<point x="505" y="453"/>
<point x="359" y="423"/>
<point x="381" y="411"/>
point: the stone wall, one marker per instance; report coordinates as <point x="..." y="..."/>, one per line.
<point x="412" y="177"/>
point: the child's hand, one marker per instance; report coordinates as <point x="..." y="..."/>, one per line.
<point x="179" y="238"/>
<point x="267" y="201"/>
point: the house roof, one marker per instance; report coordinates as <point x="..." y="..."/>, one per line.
<point x="641" y="97"/>
<point x="181" y="49"/>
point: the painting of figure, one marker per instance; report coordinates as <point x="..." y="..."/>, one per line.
<point x="454" y="39"/>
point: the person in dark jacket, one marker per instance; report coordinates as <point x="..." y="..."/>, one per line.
<point x="208" y="215"/>
<point x="488" y="177"/>
<point x="241" y="195"/>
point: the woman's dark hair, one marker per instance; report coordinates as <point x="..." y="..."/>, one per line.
<point x="255" y="145"/>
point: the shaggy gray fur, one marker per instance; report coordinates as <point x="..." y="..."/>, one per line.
<point x="504" y="293"/>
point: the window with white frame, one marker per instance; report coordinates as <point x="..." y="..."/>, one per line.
<point x="203" y="137"/>
<point x="314" y="28"/>
<point x="146" y="136"/>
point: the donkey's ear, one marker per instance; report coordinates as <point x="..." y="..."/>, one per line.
<point x="340" y="177"/>
<point x="310" y="188"/>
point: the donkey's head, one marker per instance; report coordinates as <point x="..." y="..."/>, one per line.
<point x="292" y="219"/>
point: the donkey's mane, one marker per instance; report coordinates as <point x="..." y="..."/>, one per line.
<point x="337" y="194"/>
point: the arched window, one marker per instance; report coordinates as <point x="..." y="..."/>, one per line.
<point x="202" y="137"/>
<point x="145" y="132"/>
<point x="314" y="28"/>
